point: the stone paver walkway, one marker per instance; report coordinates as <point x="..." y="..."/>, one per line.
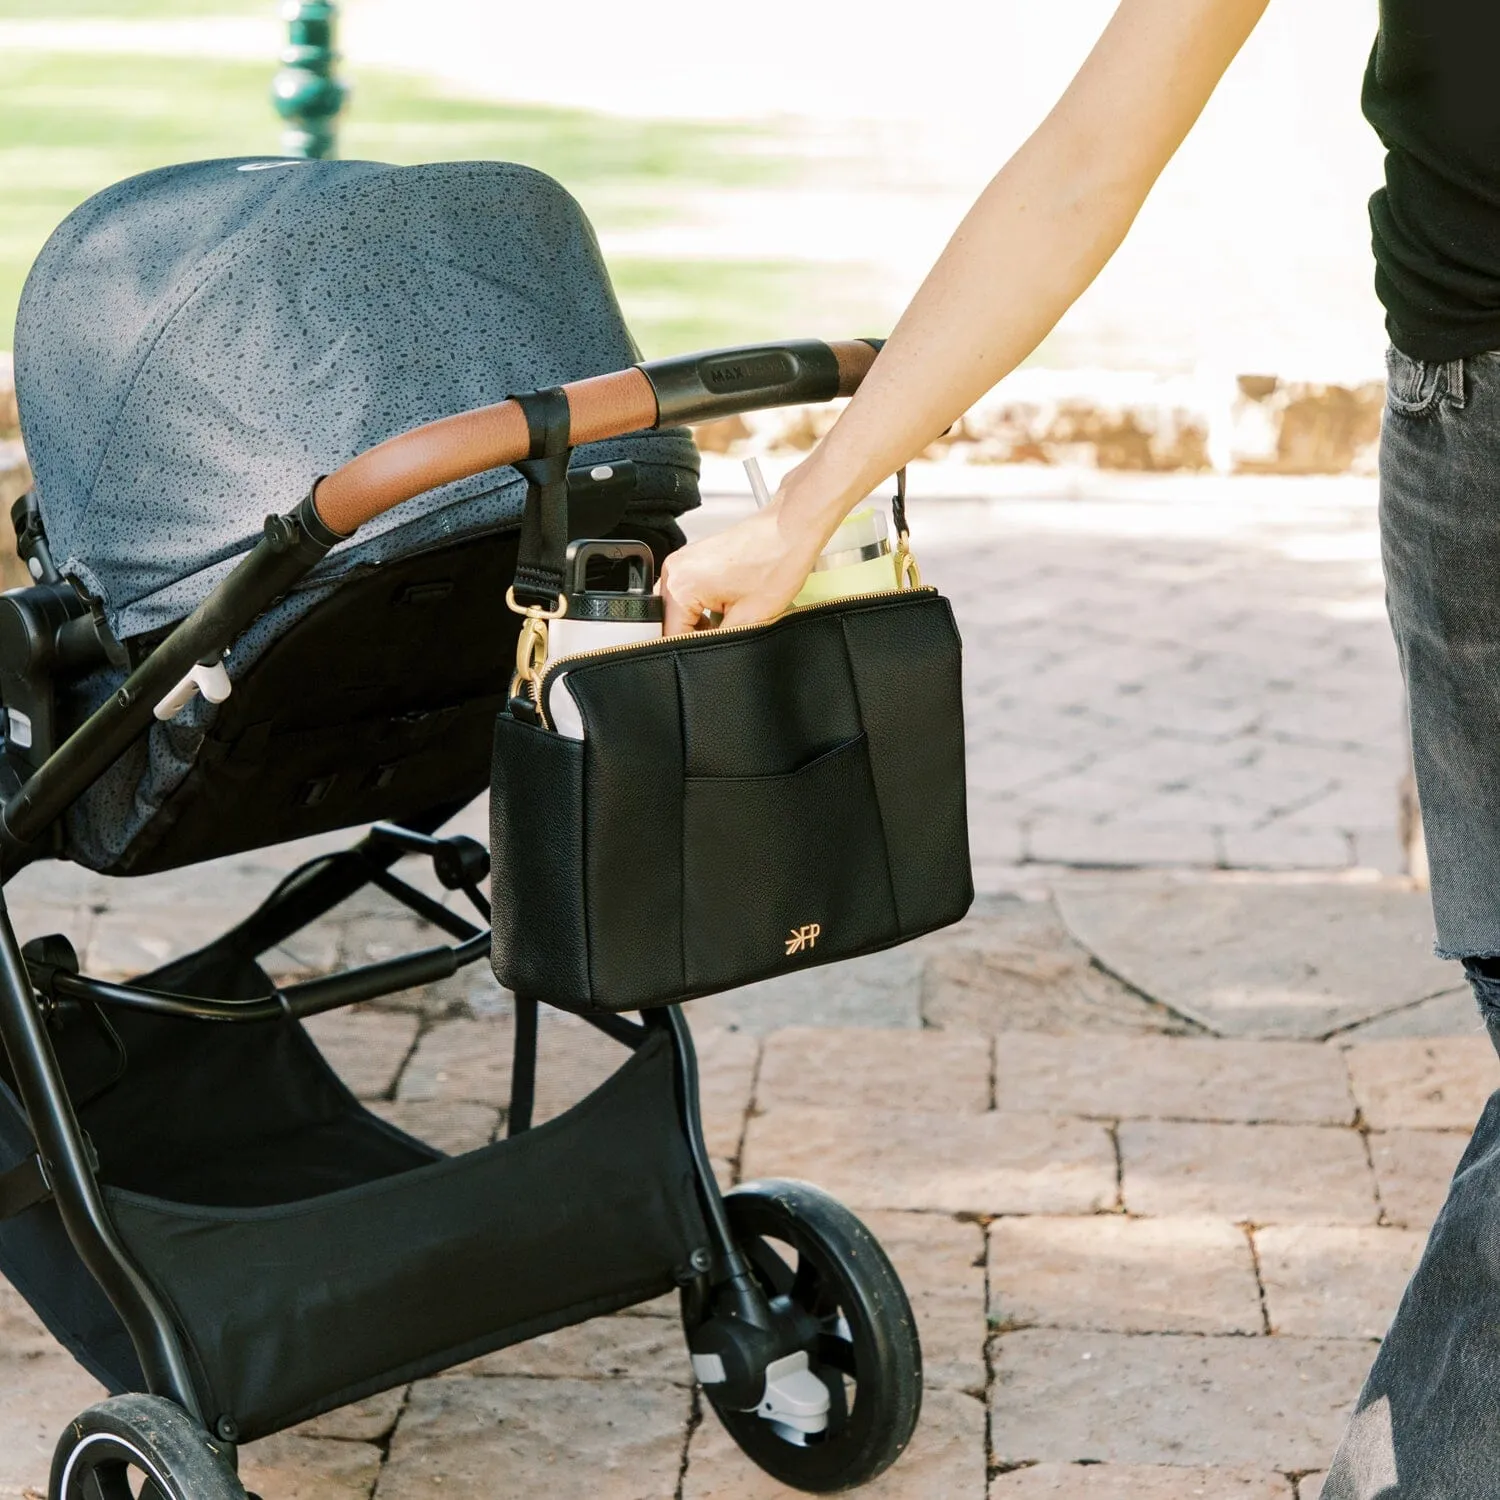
<point x="1130" y="1243"/>
<point x="1153" y="1149"/>
<point x="1166" y="671"/>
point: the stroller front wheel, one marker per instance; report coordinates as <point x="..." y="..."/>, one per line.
<point x="140" y="1446"/>
<point x="822" y="1269"/>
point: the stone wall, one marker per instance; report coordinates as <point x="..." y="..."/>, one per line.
<point x="1126" y="422"/>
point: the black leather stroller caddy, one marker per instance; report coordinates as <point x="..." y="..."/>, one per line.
<point x="267" y="408"/>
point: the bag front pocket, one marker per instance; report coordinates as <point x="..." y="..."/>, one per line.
<point x="780" y="872"/>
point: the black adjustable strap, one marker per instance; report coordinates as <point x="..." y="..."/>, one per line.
<point x="544" y="526"/>
<point x="898" y="502"/>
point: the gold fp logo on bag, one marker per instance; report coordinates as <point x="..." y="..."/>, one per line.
<point x="803" y="938"/>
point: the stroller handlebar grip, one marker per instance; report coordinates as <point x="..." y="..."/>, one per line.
<point x="725" y="382"/>
<point x="456" y="447"/>
<point x="689" y="388"/>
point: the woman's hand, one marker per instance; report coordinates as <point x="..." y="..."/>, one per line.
<point x="748" y="573"/>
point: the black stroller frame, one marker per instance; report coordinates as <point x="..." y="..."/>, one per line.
<point x="747" y="1316"/>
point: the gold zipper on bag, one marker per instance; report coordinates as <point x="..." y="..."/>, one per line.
<point x="538" y="681"/>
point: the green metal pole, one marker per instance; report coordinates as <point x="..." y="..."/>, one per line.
<point x="306" y="94"/>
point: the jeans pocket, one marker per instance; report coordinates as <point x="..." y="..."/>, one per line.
<point x="1412" y="385"/>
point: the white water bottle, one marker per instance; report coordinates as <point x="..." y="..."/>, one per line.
<point x="608" y="586"/>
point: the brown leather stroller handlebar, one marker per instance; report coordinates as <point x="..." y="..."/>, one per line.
<point x="666" y="392"/>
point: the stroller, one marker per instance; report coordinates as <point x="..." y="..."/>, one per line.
<point x="190" y="1198"/>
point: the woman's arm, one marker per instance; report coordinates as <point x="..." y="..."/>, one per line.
<point x="1037" y="237"/>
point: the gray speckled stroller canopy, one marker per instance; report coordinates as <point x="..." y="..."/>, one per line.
<point x="197" y="345"/>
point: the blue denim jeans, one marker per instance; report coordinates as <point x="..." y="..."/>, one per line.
<point x="1427" y="1425"/>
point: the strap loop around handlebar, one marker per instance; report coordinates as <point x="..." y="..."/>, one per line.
<point x="544" y="523"/>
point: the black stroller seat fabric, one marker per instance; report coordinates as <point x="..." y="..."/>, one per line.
<point x="194" y="348"/>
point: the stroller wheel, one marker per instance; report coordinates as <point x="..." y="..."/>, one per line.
<point x="822" y="1269"/>
<point x="140" y="1448"/>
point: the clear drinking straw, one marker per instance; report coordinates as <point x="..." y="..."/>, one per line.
<point x="757" y="483"/>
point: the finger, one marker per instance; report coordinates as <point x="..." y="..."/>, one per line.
<point x="683" y="610"/>
<point x="746" y="612"/>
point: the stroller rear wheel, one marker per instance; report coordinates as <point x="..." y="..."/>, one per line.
<point x="822" y="1268"/>
<point x="140" y="1448"/>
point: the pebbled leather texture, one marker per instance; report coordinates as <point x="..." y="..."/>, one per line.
<point x="540" y="944"/>
<point x="742" y="805"/>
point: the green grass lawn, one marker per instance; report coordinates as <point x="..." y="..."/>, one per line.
<point x="72" y="124"/>
<point x="130" y="10"/>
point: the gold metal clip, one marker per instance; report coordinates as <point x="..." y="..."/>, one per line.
<point x="908" y="574"/>
<point x="531" y="647"/>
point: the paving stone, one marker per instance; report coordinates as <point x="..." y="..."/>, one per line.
<point x="1123" y="1275"/>
<point x="567" y="1439"/>
<point x="881" y="989"/>
<point x="291" y="1467"/>
<point x="1067" y="1397"/>
<point x="727" y="1063"/>
<point x="1433" y="1083"/>
<point x="52" y="882"/>
<point x="22" y="1335"/>
<point x="366" y="1048"/>
<point x="367" y="1421"/>
<point x="1263" y="1174"/>
<point x="1063" y="840"/>
<point x="1275" y="959"/>
<point x="42" y="1394"/>
<point x="634" y="1348"/>
<point x="133" y="940"/>
<point x="475" y="990"/>
<point x="1381" y="850"/>
<point x="461" y="1061"/>
<point x="1186" y="1078"/>
<point x="470" y="1061"/>
<point x="941" y="1264"/>
<point x="995" y="836"/>
<point x="452" y="1126"/>
<point x="312" y="951"/>
<point x="1335" y="1282"/>
<point x="1137" y="1482"/>
<point x="1200" y="807"/>
<point x="393" y="933"/>
<point x="944" y="1462"/>
<point x="1013" y="966"/>
<point x="1452" y="1014"/>
<point x="36" y="918"/>
<point x="1310" y="1486"/>
<point x="853" y="1068"/>
<point x="1413" y="1169"/>
<point x="1289" y="846"/>
<point x="951" y="1164"/>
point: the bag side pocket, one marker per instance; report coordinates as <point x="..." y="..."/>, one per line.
<point x="767" y="864"/>
<point x="540" y="946"/>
